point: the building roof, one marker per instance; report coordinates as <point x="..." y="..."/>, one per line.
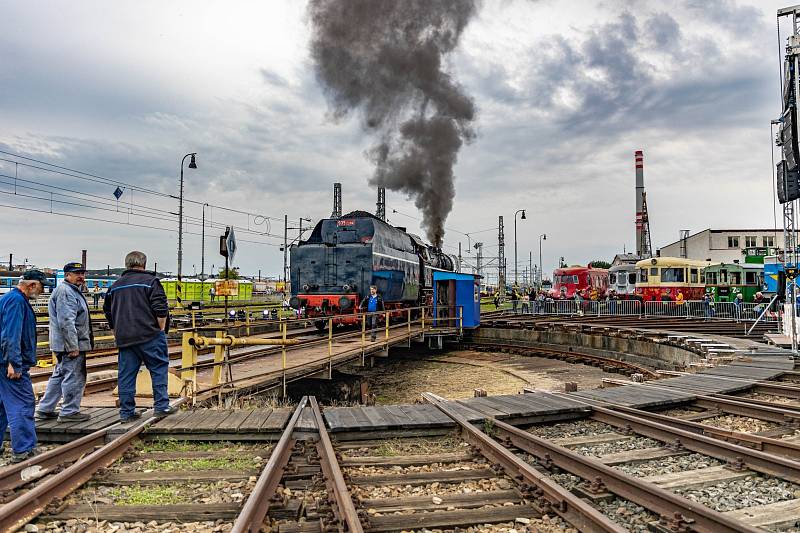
<point x="742" y="231"/>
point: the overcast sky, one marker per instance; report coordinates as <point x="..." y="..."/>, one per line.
<point x="565" y="93"/>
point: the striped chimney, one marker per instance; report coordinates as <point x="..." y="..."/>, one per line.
<point x="640" y="244"/>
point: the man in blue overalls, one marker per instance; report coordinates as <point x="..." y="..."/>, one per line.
<point x="18" y="352"/>
<point x="372" y="303"/>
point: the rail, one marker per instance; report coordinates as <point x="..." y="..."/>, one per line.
<point x="27" y="506"/>
<point x="332" y="474"/>
<point x="670" y="506"/>
<point x="255" y="509"/>
<point x="569" y="506"/>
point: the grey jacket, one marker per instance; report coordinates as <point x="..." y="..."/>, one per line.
<point x="70" y="324"/>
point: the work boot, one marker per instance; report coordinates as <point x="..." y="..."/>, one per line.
<point x="74" y="417"/>
<point x="161" y="414"/>
<point x="126" y="419"/>
<point x="46" y="415"/>
<point x="19" y="457"/>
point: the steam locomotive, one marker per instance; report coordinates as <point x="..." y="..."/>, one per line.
<point x="332" y="271"/>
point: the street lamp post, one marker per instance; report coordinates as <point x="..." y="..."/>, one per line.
<point x="542" y="237"/>
<point x="192" y="164"/>
<point x="516" y="266"/>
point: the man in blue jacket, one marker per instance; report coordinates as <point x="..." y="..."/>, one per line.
<point x="138" y="314"/>
<point x="18" y="352"/>
<point x="70" y="338"/>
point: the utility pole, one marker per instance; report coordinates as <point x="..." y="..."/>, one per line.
<point x="459" y="256"/>
<point x="285" y="248"/>
<point x="479" y="259"/>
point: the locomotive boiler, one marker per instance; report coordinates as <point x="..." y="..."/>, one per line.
<point x="332" y="271"/>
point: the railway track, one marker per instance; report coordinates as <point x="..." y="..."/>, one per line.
<point x="724" y="327"/>
<point x="619" y="469"/>
<point x="608" y="364"/>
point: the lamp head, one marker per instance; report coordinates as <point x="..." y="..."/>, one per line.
<point x="523" y="215"/>
<point x="544" y="237"/>
<point x="192" y="163"/>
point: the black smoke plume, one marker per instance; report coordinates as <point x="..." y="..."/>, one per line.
<point x="385" y="58"/>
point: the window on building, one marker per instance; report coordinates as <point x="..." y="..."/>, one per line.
<point x="643" y="275"/>
<point x="768" y="242"/>
<point x="654" y="271"/>
<point x="749" y="241"/>
<point x="733" y="242"/>
<point x="711" y="278"/>
<point x="693" y="276"/>
<point x="673" y="275"/>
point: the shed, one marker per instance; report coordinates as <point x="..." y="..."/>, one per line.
<point x="454" y="290"/>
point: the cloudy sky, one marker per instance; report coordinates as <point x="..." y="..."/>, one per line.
<point x="565" y="93"/>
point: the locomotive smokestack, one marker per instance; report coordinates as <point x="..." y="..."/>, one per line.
<point x="337" y="201"/>
<point x="640" y="244"/>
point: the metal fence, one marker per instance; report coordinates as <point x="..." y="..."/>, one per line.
<point x="688" y="309"/>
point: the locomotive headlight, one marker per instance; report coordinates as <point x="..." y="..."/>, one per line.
<point x="345" y="288"/>
<point x="232" y="313"/>
<point x="344" y="302"/>
<point x="306" y="287"/>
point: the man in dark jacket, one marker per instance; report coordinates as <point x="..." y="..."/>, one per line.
<point x="372" y="303"/>
<point x="70" y="338"/>
<point x="138" y="314"/>
<point x="18" y="352"/>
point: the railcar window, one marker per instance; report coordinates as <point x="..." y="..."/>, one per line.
<point x="736" y="278"/>
<point x="632" y="278"/>
<point x="613" y="278"/>
<point x="723" y="277"/>
<point x="750" y="278"/>
<point x="711" y="277"/>
<point x="673" y="275"/>
<point x="694" y="276"/>
<point x="654" y="271"/>
<point x="643" y="275"/>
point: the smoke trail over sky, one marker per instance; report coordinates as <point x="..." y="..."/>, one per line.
<point x="384" y="58"/>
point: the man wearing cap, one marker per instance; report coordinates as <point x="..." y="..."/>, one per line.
<point x="70" y="338"/>
<point x="18" y="353"/>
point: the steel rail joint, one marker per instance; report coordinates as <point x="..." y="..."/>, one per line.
<point x="334" y="479"/>
<point x="570" y="507"/>
<point x="646" y="494"/>
<point x="254" y="510"/>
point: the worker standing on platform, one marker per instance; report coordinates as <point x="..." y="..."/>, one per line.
<point x="138" y="314"/>
<point x="372" y="303"/>
<point x="18" y="351"/>
<point x="70" y="338"/>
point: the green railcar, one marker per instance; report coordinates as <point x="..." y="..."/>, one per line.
<point x="195" y="290"/>
<point x="725" y="280"/>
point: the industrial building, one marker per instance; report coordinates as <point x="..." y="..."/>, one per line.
<point x="725" y="245"/>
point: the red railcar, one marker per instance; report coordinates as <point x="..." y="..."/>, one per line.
<point x="587" y="281"/>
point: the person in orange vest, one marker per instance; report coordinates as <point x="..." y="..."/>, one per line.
<point x="679" y="298"/>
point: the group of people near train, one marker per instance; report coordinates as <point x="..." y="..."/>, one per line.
<point x="137" y="312"/>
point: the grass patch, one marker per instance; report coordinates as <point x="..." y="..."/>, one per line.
<point x="394" y="447"/>
<point x="206" y="463"/>
<point x="170" y="445"/>
<point x="148" y="495"/>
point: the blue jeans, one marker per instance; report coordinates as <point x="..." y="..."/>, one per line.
<point x="155" y="357"/>
<point x="16" y="411"/>
<point x="68" y="381"/>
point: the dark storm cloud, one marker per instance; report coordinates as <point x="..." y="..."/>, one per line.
<point x="386" y="59"/>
